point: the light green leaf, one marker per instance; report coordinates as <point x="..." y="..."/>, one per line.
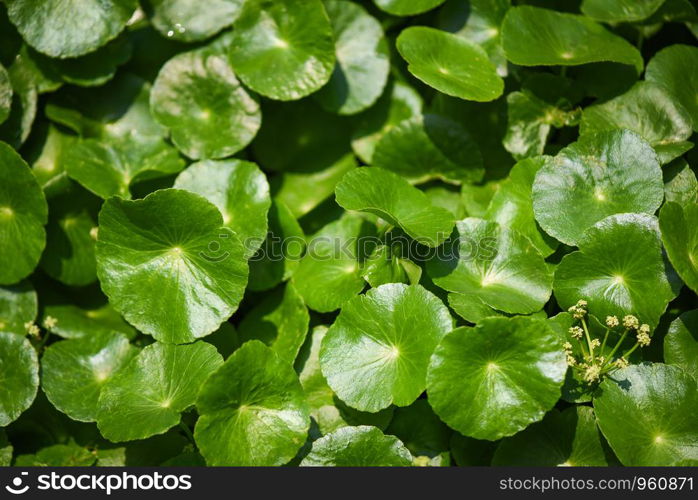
<point x="167" y="264"/>
<point x="69" y="29"/>
<point x="199" y="99"/>
<point x="512" y="205"/>
<point x="648" y="110"/>
<point x="407" y="7"/>
<point x="47" y="162"/>
<point x="239" y="190"/>
<point x="73" y="372"/>
<point x="499" y="266"/>
<point x="389" y="196"/>
<point x="471" y="307"/>
<point x="252" y="410"/>
<point x="294" y="37"/>
<point x="23" y="214"/>
<point x="681" y="343"/>
<point x="418" y="427"/>
<point x="430" y="147"/>
<point x="280" y="320"/>
<point x="676" y="69"/>
<point x="370" y="369"/>
<point x="599" y="175"/>
<point x="496" y="378"/>
<point x="5" y="450"/>
<point x="362" y="446"/>
<point x="618" y="270"/>
<point x="647" y="414"/>
<point x="363" y="60"/>
<point x="5" y="94"/>
<point x="680" y="183"/>
<point x="58" y="455"/>
<point x="679" y="227"/>
<point x="18" y="305"/>
<point x="19" y="372"/>
<point x="613" y="11"/>
<point x="330" y="273"/>
<point x="147" y="396"/>
<point x="532" y="36"/>
<point x="450" y="64"/>
<point x="569" y="439"/>
<point x="16" y="128"/>
<point x="185" y="20"/>
<point x="73" y="322"/>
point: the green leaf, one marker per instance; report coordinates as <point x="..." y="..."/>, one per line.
<point x="450" y="64"/>
<point x="199" y="99"/>
<point x="327" y="410"/>
<point x="499" y="266"/>
<point x="70" y="238"/>
<point x="19" y="372"/>
<point x="567" y="438"/>
<point x="330" y="274"/>
<point x="47" y="159"/>
<point x="281" y="252"/>
<point x="648" y="110"/>
<point x="387" y="364"/>
<point x="468" y="451"/>
<point x="647" y="414"/>
<point x="471" y="307"/>
<point x="389" y="196"/>
<point x="18" y="305"/>
<point x="496" y="378"/>
<point x="512" y="205"/>
<point x="58" y="455"/>
<point x="613" y="11"/>
<point x="618" y="270"/>
<point x="252" y="410"/>
<point x="292" y="36"/>
<point x="69" y="29"/>
<point x="362" y="446"/>
<point x="239" y="190"/>
<point x="430" y="147"/>
<point x="280" y="320"/>
<point x="407" y="7"/>
<point x="681" y="343"/>
<point x="147" y="396"/>
<point x="5" y="94"/>
<point x="73" y="372"/>
<point x="363" y="60"/>
<point x="680" y="183"/>
<point x="5" y="450"/>
<point x="679" y="227"/>
<point x="167" y="264"/>
<point x="185" y="20"/>
<point x="599" y="175"/>
<point x="23" y="214"/>
<point x="16" y="128"/>
<point x="74" y="322"/>
<point x="532" y="36"/>
<point x="385" y="265"/>
<point x="676" y="69"/>
<point x="418" y="427"/>
<point x="399" y="102"/>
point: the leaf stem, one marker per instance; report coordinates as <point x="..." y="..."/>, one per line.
<point x="586" y="334"/>
<point x="620" y="341"/>
<point x="187" y="432"/>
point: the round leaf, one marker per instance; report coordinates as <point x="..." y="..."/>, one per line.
<point x="450" y="64"/>
<point x="239" y="190"/>
<point x="19" y="372"/>
<point x="599" y="175"/>
<point x="407" y="7"/>
<point x="18" y="305"/>
<point x="676" y="69"/>
<point x="648" y="110"/>
<point x="252" y="410"/>
<point x="679" y="226"/>
<point x="681" y="343"/>
<point x="647" y="414"/>
<point x="618" y="270"/>
<point x="185" y="20"/>
<point x="73" y="322"/>
<point x="361" y="446"/>
<point x="499" y="266"/>
<point x="23" y="214"/>
<point x="613" y="11"/>
<point x="430" y="147"/>
<point x="294" y="37"/>
<point x="147" y="395"/>
<point x="532" y="36"/>
<point x="168" y="266"/>
<point x="370" y="370"/>
<point x="69" y="29"/>
<point x="363" y="60"/>
<point x="390" y="197"/>
<point x="495" y="379"/>
<point x="199" y="99"/>
<point x="74" y="371"/>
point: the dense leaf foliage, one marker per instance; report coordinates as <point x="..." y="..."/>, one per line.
<point x="348" y="233"/>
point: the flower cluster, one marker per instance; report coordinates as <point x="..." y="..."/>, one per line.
<point x="593" y="358"/>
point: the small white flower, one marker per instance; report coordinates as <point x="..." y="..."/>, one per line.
<point x="631" y="321"/>
<point x="50" y="322"/>
<point x="621" y="363"/>
<point x="592" y="373"/>
<point x="595" y="343"/>
<point x="576" y="332"/>
<point x="32" y="329"/>
<point x="612" y="321"/>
